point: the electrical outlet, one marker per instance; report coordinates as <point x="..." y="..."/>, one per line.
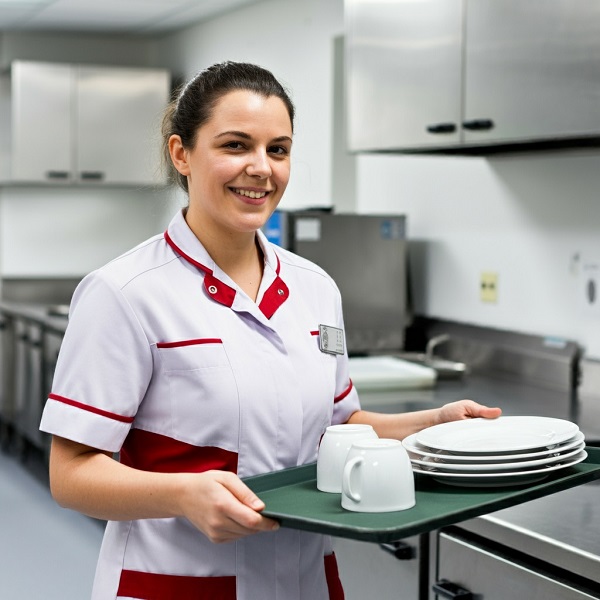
<point x="488" y="287"/>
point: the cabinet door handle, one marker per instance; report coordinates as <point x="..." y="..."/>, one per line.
<point x="441" y="128"/>
<point x="447" y="589"/>
<point x="478" y="125"/>
<point x="91" y="175"/>
<point x="57" y="174"/>
<point x="401" y="550"/>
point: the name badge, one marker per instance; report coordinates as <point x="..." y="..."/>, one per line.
<point x="331" y="339"/>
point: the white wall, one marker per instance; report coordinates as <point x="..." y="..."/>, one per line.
<point x="533" y="219"/>
<point x="66" y="232"/>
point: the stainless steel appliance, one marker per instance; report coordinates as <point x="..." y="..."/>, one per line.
<point x="367" y="257"/>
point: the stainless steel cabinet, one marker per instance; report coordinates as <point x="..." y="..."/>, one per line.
<point x="454" y="74"/>
<point x="532" y="70"/>
<point x="368" y="571"/>
<point x="468" y="570"/>
<point x="84" y="124"/>
<point x="403" y="73"/>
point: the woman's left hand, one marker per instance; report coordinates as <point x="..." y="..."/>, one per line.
<point x="465" y="409"/>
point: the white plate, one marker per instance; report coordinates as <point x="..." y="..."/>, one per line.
<point x="435" y="464"/>
<point x="413" y="447"/>
<point x="504" y="434"/>
<point x="499" y="479"/>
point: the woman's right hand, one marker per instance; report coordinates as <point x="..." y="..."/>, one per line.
<point x="222" y="506"/>
<point x="90" y="481"/>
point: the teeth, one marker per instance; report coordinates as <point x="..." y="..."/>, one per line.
<point x="250" y="194"/>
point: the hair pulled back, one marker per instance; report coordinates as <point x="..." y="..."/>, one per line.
<point x="197" y="98"/>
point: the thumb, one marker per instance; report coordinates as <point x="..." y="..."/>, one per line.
<point x="244" y="494"/>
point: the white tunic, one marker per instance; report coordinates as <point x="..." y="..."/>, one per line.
<point x="168" y="362"/>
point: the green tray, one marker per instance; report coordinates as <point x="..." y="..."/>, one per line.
<point x="291" y="497"/>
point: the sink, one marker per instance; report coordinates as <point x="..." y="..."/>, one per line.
<point x="445" y="369"/>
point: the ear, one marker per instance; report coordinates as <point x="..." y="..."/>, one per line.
<point x="179" y="155"/>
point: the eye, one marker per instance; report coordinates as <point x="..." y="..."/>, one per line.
<point x="279" y="150"/>
<point x="234" y="145"/>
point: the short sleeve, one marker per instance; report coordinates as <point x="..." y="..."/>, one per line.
<point x="103" y="370"/>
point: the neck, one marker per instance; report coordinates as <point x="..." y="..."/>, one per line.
<point x="236" y="253"/>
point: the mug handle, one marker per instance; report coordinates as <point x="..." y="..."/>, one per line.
<point x="348" y="468"/>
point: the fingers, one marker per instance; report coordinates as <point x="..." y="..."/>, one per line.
<point x="229" y="509"/>
<point x="242" y="492"/>
<point x="489" y="412"/>
<point x="467" y="409"/>
<point x="243" y="508"/>
<point x="473" y="410"/>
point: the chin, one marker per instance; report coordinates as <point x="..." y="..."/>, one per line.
<point x="253" y="222"/>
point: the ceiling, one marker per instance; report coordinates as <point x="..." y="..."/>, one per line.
<point x="110" y="16"/>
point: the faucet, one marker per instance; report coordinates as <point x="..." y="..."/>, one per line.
<point x="433" y="343"/>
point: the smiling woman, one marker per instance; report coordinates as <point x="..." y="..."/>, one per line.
<point x="238" y="167"/>
<point x="228" y="138"/>
<point x="189" y="355"/>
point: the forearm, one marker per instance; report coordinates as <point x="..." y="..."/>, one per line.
<point x="399" y="426"/>
<point x="217" y="502"/>
<point x="97" y="485"/>
<point x="396" y="426"/>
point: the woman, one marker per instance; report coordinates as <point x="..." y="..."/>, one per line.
<point x="196" y="357"/>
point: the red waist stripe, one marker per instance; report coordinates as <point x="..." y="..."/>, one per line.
<point x="155" y="586"/>
<point x="162" y="454"/>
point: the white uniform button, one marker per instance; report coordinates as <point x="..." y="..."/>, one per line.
<point x="280" y="292"/>
<point x="212" y="289"/>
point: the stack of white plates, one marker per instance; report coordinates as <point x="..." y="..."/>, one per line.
<point x="496" y="452"/>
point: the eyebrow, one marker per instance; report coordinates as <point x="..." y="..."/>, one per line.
<point x="244" y="135"/>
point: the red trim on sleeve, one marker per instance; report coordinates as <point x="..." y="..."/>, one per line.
<point x="189" y="343"/>
<point x="158" y="586"/>
<point x="158" y="453"/>
<point x="314" y="332"/>
<point x="344" y="393"/>
<point x="334" y="585"/>
<point x="92" y="409"/>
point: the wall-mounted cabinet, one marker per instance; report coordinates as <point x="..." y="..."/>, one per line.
<point x="82" y="124"/>
<point x="458" y="74"/>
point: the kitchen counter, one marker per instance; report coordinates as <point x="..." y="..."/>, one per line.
<point x="49" y="316"/>
<point x="31" y="335"/>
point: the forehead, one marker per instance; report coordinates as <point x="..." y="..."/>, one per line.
<point x="243" y="107"/>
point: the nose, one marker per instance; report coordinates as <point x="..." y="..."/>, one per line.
<point x="259" y="165"/>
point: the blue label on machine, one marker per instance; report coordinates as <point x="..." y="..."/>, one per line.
<point x="392" y="229"/>
<point x="273" y="228"/>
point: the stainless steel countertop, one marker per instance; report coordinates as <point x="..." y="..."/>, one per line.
<point x="36" y="313"/>
<point x="563" y="529"/>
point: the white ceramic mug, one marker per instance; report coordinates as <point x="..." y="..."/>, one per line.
<point x="335" y="444"/>
<point x="378" y="477"/>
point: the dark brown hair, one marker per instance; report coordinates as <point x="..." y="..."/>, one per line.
<point x="196" y="100"/>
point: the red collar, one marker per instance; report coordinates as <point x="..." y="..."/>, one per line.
<point x="272" y="299"/>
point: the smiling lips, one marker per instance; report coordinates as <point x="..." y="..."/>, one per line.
<point x="254" y="195"/>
